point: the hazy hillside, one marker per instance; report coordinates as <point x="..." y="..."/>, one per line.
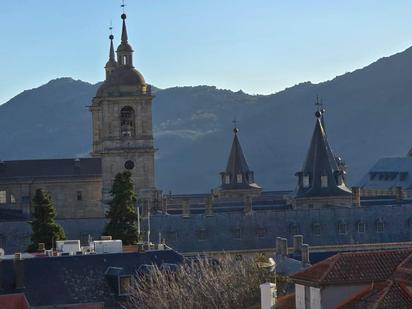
<point x="368" y="116"/>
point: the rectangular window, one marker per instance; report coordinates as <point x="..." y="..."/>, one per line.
<point x="79" y="195"/>
<point x="260" y="232"/>
<point x="237" y="233"/>
<point x="324" y="181"/>
<point x="305" y="181"/>
<point x="239" y="178"/>
<point x="227" y="179"/>
<point x="342" y="228"/>
<point x="202" y="234"/>
<point x="361" y="227"/>
<point x="3" y="197"/>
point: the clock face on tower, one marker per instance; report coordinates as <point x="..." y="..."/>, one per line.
<point x="129" y="165"/>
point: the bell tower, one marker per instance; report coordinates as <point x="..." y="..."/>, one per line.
<point x="122" y="122"/>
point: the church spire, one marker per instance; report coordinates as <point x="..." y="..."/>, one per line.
<point x="237" y="174"/>
<point x="321" y="175"/>
<point x="124" y="51"/>
<point x="124" y="29"/>
<point x="111" y="63"/>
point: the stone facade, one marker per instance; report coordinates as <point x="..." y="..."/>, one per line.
<point x="115" y="150"/>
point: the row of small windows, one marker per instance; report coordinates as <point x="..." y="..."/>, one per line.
<point x="4" y="197"/>
<point x="239" y="179"/>
<point x="387" y="176"/>
<point x="316" y="228"/>
<point x="324" y="180"/>
<point x="343" y="228"/>
<point x="203" y="234"/>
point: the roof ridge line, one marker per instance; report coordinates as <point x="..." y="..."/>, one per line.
<point x="334" y="261"/>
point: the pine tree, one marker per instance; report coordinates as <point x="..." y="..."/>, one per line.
<point x="122" y="212"/>
<point x="44" y="227"/>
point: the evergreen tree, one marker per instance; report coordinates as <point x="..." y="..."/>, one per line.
<point x="122" y="212"/>
<point x="44" y="227"/>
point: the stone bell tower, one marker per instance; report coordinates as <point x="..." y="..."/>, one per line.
<point x="122" y="122"/>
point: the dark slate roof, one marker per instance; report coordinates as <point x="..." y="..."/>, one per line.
<point x="237" y="164"/>
<point x="77" y="279"/>
<point x="320" y="161"/>
<point x="389" y="173"/>
<point x="356" y="267"/>
<point x="50" y="168"/>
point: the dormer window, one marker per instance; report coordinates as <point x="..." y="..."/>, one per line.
<point x="239" y="178"/>
<point x="305" y="181"/>
<point x="127" y="121"/>
<point x="324" y="181"/>
<point x="227" y="179"/>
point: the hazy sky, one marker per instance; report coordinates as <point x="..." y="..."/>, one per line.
<point x="257" y="46"/>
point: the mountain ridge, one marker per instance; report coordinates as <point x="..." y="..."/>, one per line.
<point x="366" y="118"/>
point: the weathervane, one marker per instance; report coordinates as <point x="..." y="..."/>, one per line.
<point x="123" y="6"/>
<point x="318" y="104"/>
<point x="111" y="27"/>
<point x="235" y="129"/>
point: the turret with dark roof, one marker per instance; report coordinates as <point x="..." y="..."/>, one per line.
<point x="322" y="175"/>
<point x="237" y="175"/>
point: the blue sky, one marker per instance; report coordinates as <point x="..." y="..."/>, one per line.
<point x="257" y="46"/>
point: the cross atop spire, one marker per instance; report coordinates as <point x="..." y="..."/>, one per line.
<point x="318" y="104"/>
<point x="235" y="128"/>
<point x="123" y="6"/>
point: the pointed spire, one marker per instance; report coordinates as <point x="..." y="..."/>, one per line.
<point x="111" y="53"/>
<point x="124" y="30"/>
<point x="321" y="175"/>
<point x="111" y="63"/>
<point x="237" y="174"/>
<point x="124" y="51"/>
<point x="237" y="163"/>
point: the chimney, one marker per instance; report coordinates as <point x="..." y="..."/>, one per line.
<point x="268" y="295"/>
<point x="284" y="247"/>
<point x="305" y="255"/>
<point x="278" y="246"/>
<point x="19" y="270"/>
<point x="186" y="209"/>
<point x="297" y="244"/>
<point x="356" y="196"/>
<point x="247" y="204"/>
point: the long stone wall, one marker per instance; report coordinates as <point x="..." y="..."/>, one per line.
<point x="257" y="230"/>
<point x="15" y="235"/>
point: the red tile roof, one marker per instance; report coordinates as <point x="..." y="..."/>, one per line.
<point x="14" y="301"/>
<point x="353" y="267"/>
<point x="389" y="294"/>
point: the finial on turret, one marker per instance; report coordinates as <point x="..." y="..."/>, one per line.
<point x="319" y="110"/>
<point x="235" y="128"/>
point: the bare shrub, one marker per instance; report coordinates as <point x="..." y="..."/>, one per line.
<point x="201" y="283"/>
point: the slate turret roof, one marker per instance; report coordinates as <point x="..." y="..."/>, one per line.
<point x="321" y="164"/>
<point x="237" y="165"/>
